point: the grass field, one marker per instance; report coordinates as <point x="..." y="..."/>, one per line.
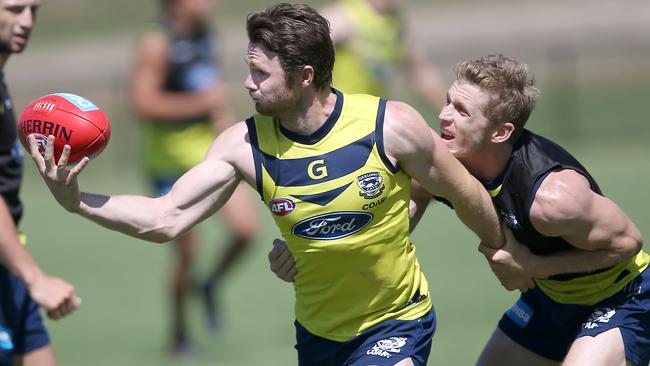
<point x="123" y="281"/>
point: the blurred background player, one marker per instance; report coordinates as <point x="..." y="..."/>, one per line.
<point x="372" y="47"/>
<point x="23" y="285"/>
<point x="177" y="90"/>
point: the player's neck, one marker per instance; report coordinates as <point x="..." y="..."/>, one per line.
<point x="311" y="112"/>
<point x="490" y="164"/>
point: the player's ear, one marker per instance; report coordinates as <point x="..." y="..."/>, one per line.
<point x="503" y="132"/>
<point x="307" y="76"/>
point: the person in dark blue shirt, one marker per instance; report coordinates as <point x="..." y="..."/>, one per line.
<point x="23" y="285"/>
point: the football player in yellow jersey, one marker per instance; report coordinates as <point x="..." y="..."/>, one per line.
<point x="334" y="170"/>
<point x="591" y="305"/>
<point x="372" y="47"/>
<point x="179" y="95"/>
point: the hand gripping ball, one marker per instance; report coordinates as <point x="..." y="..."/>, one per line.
<point x="71" y="119"/>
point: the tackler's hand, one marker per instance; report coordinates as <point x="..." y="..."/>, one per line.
<point x="281" y="261"/>
<point x="511" y="263"/>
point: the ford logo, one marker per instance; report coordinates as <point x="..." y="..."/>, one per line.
<point x="331" y="226"/>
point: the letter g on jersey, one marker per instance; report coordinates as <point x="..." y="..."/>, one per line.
<point x="317" y="169"/>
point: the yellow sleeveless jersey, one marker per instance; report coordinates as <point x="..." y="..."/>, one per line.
<point x="366" y="61"/>
<point x="342" y="207"/>
<point x="590" y="289"/>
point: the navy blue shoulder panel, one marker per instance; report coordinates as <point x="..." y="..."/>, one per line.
<point x="257" y="154"/>
<point x="335" y="164"/>
<point x="379" y="133"/>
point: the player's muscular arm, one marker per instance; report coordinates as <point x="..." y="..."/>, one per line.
<point x="196" y="195"/>
<point x="150" y="100"/>
<point x="600" y="231"/>
<point x="421" y="153"/>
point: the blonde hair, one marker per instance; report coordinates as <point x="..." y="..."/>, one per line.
<point x="512" y="94"/>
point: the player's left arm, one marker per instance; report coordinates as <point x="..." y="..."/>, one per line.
<point x="602" y="234"/>
<point x="565" y="206"/>
<point x="418" y="150"/>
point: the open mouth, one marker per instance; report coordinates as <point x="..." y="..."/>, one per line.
<point x="446" y="136"/>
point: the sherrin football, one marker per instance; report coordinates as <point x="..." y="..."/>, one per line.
<point x="71" y="119"/>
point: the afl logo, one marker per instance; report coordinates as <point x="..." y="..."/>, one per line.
<point x="371" y="185"/>
<point x="331" y="226"/>
<point x="41" y="141"/>
<point x="282" y="206"/>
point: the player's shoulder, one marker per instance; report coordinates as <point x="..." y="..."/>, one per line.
<point x="232" y="141"/>
<point x="401" y="111"/>
<point x="405" y="131"/>
<point x="235" y="134"/>
<point x="233" y="147"/>
<point x="402" y="118"/>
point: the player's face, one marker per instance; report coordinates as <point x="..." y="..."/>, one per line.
<point x="17" y="18"/>
<point x="267" y="82"/>
<point x="463" y="128"/>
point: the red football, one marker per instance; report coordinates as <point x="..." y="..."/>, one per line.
<point x="71" y="119"/>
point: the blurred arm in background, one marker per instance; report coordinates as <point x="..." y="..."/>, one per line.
<point x="372" y="46"/>
<point x="153" y="102"/>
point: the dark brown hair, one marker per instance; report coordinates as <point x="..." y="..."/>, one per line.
<point x="298" y="35"/>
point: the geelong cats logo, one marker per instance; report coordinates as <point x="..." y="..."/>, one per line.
<point x="371" y="185"/>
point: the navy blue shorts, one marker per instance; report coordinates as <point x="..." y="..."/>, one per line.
<point x="548" y="328"/>
<point x="385" y="344"/>
<point x="21" y="327"/>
